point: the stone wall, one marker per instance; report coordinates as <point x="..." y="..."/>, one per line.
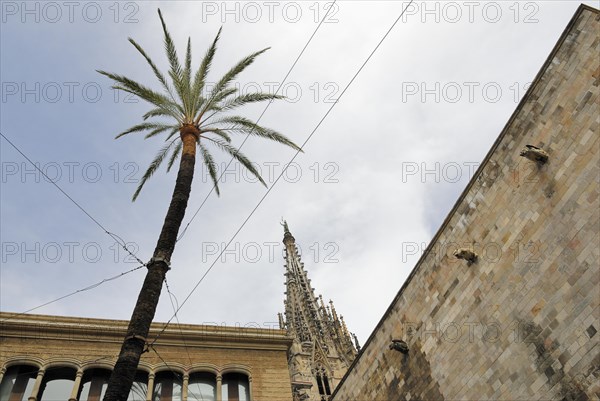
<point x="521" y="322"/>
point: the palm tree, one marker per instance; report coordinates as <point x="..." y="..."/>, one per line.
<point x="196" y="120"/>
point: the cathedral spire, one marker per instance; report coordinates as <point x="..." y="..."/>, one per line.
<point x="286" y="229"/>
<point x="322" y="347"/>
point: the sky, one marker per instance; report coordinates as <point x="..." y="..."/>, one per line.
<point x="376" y="179"/>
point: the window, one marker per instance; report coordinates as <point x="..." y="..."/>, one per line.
<point x="236" y="387"/>
<point x="94" y="383"/>
<point x="326" y="383"/>
<point x="167" y="387"/>
<point x="323" y="384"/>
<point x="57" y="384"/>
<point x="320" y="384"/>
<point x="139" y="389"/>
<point x="202" y="386"/>
<point x="17" y="383"/>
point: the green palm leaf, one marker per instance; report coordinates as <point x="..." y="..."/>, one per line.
<point x="219" y="132"/>
<point x="174" y="155"/>
<point x="128" y="85"/>
<point x="157" y="72"/>
<point x="170" y="50"/>
<point x="201" y="74"/>
<point x="239" y="156"/>
<point x="159" y="130"/>
<point x="210" y="164"/>
<point x="248" y="127"/>
<point x="228" y="77"/>
<point x="143" y="127"/>
<point x="182" y="101"/>
<point x="160" y="112"/>
<point x="234" y="103"/>
<point x="236" y="70"/>
<point x="158" y="159"/>
<point x="185" y="90"/>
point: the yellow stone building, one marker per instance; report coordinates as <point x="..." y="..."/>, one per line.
<point x="65" y="358"/>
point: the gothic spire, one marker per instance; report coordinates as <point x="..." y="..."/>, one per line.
<point x="322" y="342"/>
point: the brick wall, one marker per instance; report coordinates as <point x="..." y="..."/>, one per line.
<point x="521" y="323"/>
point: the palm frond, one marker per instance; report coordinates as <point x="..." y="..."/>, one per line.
<point x="172" y="133"/>
<point x="249" y="98"/>
<point x="143" y="92"/>
<point x="231" y="104"/>
<point x="175" y="71"/>
<point x="212" y="104"/>
<point x="160" y="156"/>
<point x="143" y="127"/>
<point x="239" y="156"/>
<point x="227" y="78"/>
<point x="160" y="112"/>
<point x="186" y="78"/>
<point x="159" y="130"/>
<point x="219" y="132"/>
<point x="175" y="155"/>
<point x="210" y="164"/>
<point x="157" y="72"/>
<point x="248" y="127"/>
<point x="202" y="73"/>
<point x="170" y="48"/>
<point x="237" y="69"/>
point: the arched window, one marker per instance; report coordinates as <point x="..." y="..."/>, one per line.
<point x="57" y="384"/>
<point x="17" y="383"/>
<point x="326" y="384"/>
<point x="236" y="387"/>
<point x="139" y="389"/>
<point x="94" y="383"/>
<point x="202" y="386"/>
<point x="167" y="386"/>
<point x="323" y="383"/>
<point x="320" y="385"/>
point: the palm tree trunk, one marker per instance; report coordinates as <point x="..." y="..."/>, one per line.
<point x="124" y="371"/>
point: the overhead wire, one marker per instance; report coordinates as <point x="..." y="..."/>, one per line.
<point x="183" y="232"/>
<point x="112" y="235"/>
<point x="284" y="170"/>
<point x="175" y="373"/>
<point x="171" y="297"/>
<point x="89" y="287"/>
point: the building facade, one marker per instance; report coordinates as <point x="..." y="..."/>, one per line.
<point x="64" y="358"/>
<point x="504" y="304"/>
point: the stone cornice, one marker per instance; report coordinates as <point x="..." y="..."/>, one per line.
<point x="43" y="327"/>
